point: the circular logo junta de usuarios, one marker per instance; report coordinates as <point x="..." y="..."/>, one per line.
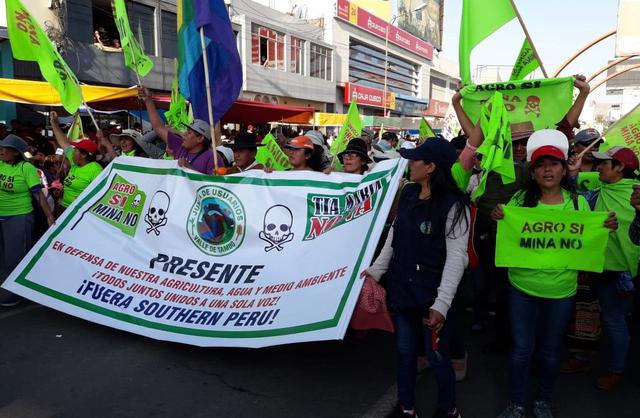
<point x="217" y="221"/>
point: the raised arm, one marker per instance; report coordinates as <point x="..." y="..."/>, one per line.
<point x="61" y="137"/>
<point x="465" y="122"/>
<point x="154" y="117"/>
<point x="576" y="109"/>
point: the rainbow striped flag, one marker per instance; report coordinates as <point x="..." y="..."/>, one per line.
<point x="225" y="68"/>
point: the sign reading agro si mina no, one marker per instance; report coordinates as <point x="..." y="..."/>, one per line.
<point x="250" y="260"/>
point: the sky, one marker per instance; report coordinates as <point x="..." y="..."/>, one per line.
<point x="558" y="29"/>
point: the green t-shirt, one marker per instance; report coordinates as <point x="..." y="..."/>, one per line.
<point x="552" y="284"/>
<point x="131" y="153"/>
<point x="16" y="182"/>
<point x="78" y="179"/>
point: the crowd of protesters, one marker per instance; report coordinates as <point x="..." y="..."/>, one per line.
<point x="437" y="235"/>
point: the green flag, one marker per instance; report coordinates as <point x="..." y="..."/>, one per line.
<point x="625" y="132"/>
<point x="537" y="238"/>
<point x="75" y="132"/>
<point x="425" y="131"/>
<point x="121" y="206"/>
<point x="30" y="43"/>
<point x="177" y="115"/>
<point x="526" y="62"/>
<point x="351" y="128"/>
<point x="542" y="102"/>
<point x="496" y="148"/>
<point x="271" y="155"/>
<point x="134" y="56"/>
<point x="480" y="18"/>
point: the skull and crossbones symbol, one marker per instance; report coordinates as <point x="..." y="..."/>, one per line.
<point x="136" y="201"/>
<point x="157" y="213"/>
<point x="532" y="106"/>
<point x="276" y="231"/>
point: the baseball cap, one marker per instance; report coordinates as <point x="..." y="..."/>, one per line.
<point x="300" y="142"/>
<point x="86" y="145"/>
<point x="586" y="136"/>
<point x="623" y="155"/>
<point x="130" y="133"/>
<point x="201" y="127"/>
<point x="547" y="142"/>
<point x="15" y="142"/>
<point x="437" y="150"/>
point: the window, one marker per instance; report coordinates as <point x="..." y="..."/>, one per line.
<point x="267" y="47"/>
<point x="141" y="19"/>
<point x="169" y="36"/>
<point x="320" y="62"/>
<point x="297" y="55"/>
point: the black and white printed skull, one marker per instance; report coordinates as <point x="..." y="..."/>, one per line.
<point x="158" y="208"/>
<point x="278" y="221"/>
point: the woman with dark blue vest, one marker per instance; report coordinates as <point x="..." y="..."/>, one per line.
<point x="425" y="255"/>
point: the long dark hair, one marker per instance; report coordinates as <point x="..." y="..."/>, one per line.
<point x="443" y="184"/>
<point x="315" y="159"/>
<point x="533" y="193"/>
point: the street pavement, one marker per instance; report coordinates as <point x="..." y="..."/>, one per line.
<point x="55" y="365"/>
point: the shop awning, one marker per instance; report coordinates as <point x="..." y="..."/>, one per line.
<point x="41" y="93"/>
<point x="248" y="111"/>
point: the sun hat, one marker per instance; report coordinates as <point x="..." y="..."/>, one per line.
<point x="355" y="146"/>
<point x="245" y="140"/>
<point x="129" y="133"/>
<point x="15" y="142"/>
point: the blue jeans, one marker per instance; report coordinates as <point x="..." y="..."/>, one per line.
<point x="538" y="323"/>
<point x="409" y="329"/>
<point x="612" y="311"/>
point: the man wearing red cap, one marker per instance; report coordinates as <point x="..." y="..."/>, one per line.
<point x="617" y="169"/>
<point x="82" y="158"/>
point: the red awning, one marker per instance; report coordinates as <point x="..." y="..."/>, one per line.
<point x="250" y="112"/>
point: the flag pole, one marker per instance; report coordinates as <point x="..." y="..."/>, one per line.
<point x="526" y="33"/>
<point x="209" y="101"/>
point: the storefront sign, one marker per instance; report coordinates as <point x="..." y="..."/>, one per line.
<point x="379" y="27"/>
<point x="368" y="96"/>
<point x="437" y="108"/>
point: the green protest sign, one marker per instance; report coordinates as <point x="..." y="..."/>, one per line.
<point x="625" y="132"/>
<point x="588" y="180"/>
<point x="496" y="149"/>
<point x="30" y="43"/>
<point x="271" y="155"/>
<point x="425" y="131"/>
<point x="134" y="56"/>
<point x="526" y="62"/>
<point x="551" y="239"/>
<point x="121" y="206"/>
<point x="351" y="128"/>
<point x="542" y="102"/>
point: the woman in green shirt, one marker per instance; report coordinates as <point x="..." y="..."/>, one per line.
<point x="19" y="186"/>
<point x="82" y="159"/>
<point x="541" y="302"/>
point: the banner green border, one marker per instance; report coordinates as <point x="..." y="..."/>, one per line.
<point x="22" y="277"/>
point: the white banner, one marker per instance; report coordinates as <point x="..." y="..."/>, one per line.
<point x="250" y="260"/>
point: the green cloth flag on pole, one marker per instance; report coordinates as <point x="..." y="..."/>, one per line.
<point x="30" y="43"/>
<point x="425" y="131"/>
<point x="625" y="132"/>
<point x="542" y="102"/>
<point x="351" y="128"/>
<point x="134" y="56"/>
<point x="75" y="132"/>
<point x="496" y="150"/>
<point x="177" y="115"/>
<point x="271" y="155"/>
<point x="537" y="238"/>
<point x="526" y="62"/>
<point x="480" y="18"/>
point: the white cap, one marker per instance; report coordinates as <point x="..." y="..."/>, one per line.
<point x="548" y="142"/>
